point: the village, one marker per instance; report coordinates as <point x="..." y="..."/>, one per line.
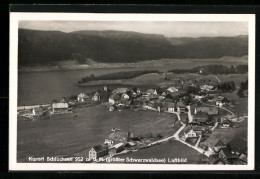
<point x="200" y="110"/>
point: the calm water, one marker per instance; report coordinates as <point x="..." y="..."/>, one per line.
<point x="43" y="87"/>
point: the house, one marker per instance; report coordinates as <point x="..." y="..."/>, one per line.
<point x="200" y="117"/>
<point x="98" y="151"/>
<point x="171" y="107"/>
<point x="152" y="91"/>
<point x="243" y="158"/>
<point x="125" y="103"/>
<point x="37" y="111"/>
<point x="114" y="98"/>
<point x="199" y="97"/>
<point x="105" y="88"/>
<point x="226" y="155"/>
<point x="109" y="142"/>
<point x="189" y="132"/>
<point x="117" y="136"/>
<point x="206" y="109"/>
<point x="198" y="129"/>
<point x="206" y="87"/>
<point x="181" y="108"/>
<point x="172" y="96"/>
<point x="172" y="89"/>
<point x="130" y="144"/>
<point x="226" y="124"/>
<point x="116" y="148"/>
<point x="96" y="97"/>
<point x="152" y="96"/>
<point x="192" y="140"/>
<point x="213" y="144"/>
<point x="60" y="107"/>
<point x="215" y="160"/>
<point x="111" y="108"/>
<point x="125" y="96"/>
<point x="221" y="101"/>
<point x="82" y="97"/>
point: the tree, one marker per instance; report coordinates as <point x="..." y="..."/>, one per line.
<point x="72" y="97"/>
<point x="192" y="90"/>
<point x="54" y="101"/>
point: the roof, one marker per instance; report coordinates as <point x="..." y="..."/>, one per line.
<point x="120" y="90"/>
<point x="83" y="95"/>
<point x="192" y="140"/>
<point x="118" y="145"/>
<point x="117" y="136"/>
<point x="228" y="153"/>
<point x="222" y="98"/>
<point x="99" y="148"/>
<point x="96" y="94"/>
<point x="209" y="110"/>
<point x="60" y="105"/>
<point x="151" y="91"/>
<point x="187" y="129"/>
<point x="37" y="109"/>
<point x="198" y="128"/>
<point x="151" y="95"/>
<point x="171" y="105"/>
<point x="172" y="89"/>
<point x="206" y="87"/>
<point x="131" y="143"/>
<point x="115" y="96"/>
<point x="212" y="141"/>
<point x="172" y="96"/>
<point x="180" y="104"/>
<point x="201" y="117"/>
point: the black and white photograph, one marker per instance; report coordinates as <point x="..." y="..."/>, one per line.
<point x="131" y="91"/>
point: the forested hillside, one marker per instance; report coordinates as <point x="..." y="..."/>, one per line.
<point x="47" y="47"/>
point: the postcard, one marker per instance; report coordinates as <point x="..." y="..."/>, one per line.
<point x="137" y="92"/>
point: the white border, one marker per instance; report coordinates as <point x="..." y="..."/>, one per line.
<point x="15" y="17"/>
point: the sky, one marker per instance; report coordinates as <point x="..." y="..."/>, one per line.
<point x="166" y="28"/>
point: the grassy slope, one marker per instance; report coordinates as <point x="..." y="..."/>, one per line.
<point x="66" y="135"/>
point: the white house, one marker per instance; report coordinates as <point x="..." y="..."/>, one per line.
<point x="96" y="97"/>
<point x="221" y="101"/>
<point x="60" y="107"/>
<point x="97" y="152"/>
<point x="109" y="142"/>
<point x="171" y="107"/>
<point x="172" y="89"/>
<point x="37" y="111"/>
<point x="189" y="132"/>
<point x="125" y="96"/>
<point x="82" y="97"/>
<point x="206" y="87"/>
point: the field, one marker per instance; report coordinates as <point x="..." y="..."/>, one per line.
<point x="237" y="78"/>
<point x="172" y="149"/>
<point x="235" y="133"/>
<point x="66" y="135"/>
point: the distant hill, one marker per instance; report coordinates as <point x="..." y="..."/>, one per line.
<point x="48" y="47"/>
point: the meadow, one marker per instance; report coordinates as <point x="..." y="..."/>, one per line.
<point x="64" y="135"/>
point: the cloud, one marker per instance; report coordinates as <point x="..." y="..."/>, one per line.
<point x="167" y="28"/>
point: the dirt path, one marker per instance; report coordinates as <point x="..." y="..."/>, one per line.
<point x="216" y="78"/>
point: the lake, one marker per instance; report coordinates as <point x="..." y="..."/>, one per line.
<point x="42" y="87"/>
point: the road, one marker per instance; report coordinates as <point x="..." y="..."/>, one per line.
<point x="189" y="115"/>
<point x="216" y="78"/>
